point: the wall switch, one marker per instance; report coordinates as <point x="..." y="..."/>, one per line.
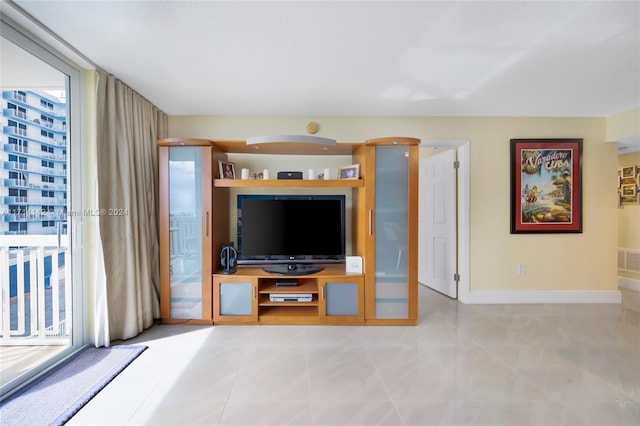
<point x="521" y="269"/>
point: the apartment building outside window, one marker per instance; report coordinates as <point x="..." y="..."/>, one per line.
<point x="33" y="161"/>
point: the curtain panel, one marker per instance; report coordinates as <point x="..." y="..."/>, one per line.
<point x="128" y="127"/>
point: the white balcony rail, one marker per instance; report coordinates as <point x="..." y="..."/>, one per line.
<point x="40" y="313"/>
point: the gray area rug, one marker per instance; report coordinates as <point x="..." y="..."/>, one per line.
<point x="61" y="392"/>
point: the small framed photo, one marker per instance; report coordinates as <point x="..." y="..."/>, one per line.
<point x="349" y="172"/>
<point x="628" y="172"/>
<point x="630" y="199"/>
<point x="628" y="190"/>
<point x="227" y="170"/>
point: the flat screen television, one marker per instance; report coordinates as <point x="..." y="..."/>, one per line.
<point x="291" y="234"/>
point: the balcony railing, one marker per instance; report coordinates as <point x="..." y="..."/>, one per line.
<point x="35" y="297"/>
<point x="15" y="165"/>
<point x="21" y="149"/>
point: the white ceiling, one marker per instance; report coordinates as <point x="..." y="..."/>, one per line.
<point x="472" y="58"/>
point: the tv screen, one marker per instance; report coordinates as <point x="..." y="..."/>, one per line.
<point x="291" y="229"/>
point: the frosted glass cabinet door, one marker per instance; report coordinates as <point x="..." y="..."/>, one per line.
<point x="235" y="299"/>
<point x="391" y="232"/>
<point x="185" y="232"/>
<point x="342" y="300"/>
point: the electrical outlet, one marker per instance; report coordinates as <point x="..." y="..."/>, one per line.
<point x="521" y="269"/>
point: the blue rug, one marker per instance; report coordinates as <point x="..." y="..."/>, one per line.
<point x="61" y="392"/>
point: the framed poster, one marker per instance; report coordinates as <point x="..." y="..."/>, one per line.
<point x="546" y="186"/>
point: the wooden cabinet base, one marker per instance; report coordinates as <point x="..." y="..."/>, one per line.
<point x="186" y="321"/>
<point x="259" y="303"/>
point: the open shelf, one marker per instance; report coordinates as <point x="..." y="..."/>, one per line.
<point x="304" y="286"/>
<point x="264" y="301"/>
<point x="287" y="183"/>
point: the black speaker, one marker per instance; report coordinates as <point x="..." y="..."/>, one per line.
<point x="289" y="175"/>
<point x="228" y="258"/>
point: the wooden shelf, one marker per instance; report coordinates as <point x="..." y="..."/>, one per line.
<point x="269" y="286"/>
<point x="287" y="183"/>
<point x="289" y="311"/>
<point x="266" y="302"/>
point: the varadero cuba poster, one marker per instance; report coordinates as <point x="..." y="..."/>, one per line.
<point x="546" y="185"/>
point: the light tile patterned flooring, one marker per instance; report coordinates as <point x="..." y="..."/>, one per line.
<point x="462" y="365"/>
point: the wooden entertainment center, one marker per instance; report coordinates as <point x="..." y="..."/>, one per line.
<point x="195" y="222"/>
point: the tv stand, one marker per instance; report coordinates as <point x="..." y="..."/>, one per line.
<point x="292" y="269"/>
<point x="245" y="297"/>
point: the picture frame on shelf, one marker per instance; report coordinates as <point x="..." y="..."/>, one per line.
<point x="349" y="172"/>
<point x="546" y="186"/>
<point x="227" y="169"/>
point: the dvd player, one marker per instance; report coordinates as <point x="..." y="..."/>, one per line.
<point x="286" y="297"/>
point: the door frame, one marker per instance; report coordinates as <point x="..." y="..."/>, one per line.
<point x="462" y="147"/>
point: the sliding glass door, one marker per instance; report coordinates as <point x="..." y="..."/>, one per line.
<point x="40" y="300"/>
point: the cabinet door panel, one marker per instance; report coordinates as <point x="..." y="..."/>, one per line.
<point x="391" y="232"/>
<point x="236" y="298"/>
<point x="341" y="298"/>
<point x="185" y="259"/>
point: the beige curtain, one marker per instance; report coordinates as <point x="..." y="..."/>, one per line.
<point x="128" y="127"/>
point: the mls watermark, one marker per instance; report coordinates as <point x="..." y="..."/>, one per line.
<point x="99" y="212"/>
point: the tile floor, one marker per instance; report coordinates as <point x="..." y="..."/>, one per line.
<point x="462" y="365"/>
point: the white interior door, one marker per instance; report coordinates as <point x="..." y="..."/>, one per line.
<point x="437" y="247"/>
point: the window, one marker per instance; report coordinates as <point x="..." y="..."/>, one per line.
<point x="16" y="209"/>
<point x="46" y="104"/>
<point x="14" y="192"/>
<point x="18" y="227"/>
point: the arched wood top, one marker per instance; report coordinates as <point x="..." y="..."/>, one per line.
<point x="393" y="141"/>
<point x="183" y="142"/>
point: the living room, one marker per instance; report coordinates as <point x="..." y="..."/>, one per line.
<point x="566" y="270"/>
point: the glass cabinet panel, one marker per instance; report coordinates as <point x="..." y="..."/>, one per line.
<point x="391" y="232"/>
<point x="236" y="298"/>
<point x="185" y="232"/>
<point x="342" y="299"/>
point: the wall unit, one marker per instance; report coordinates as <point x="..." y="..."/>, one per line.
<point x="384" y="207"/>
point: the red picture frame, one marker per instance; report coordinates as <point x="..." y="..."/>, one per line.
<point x="546" y="186"/>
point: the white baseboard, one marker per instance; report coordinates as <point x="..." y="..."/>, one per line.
<point x="543" y="296"/>
<point x="630" y="283"/>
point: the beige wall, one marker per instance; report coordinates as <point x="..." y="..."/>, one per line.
<point x="629" y="217"/>
<point x="584" y="261"/>
<point x="624" y="125"/>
